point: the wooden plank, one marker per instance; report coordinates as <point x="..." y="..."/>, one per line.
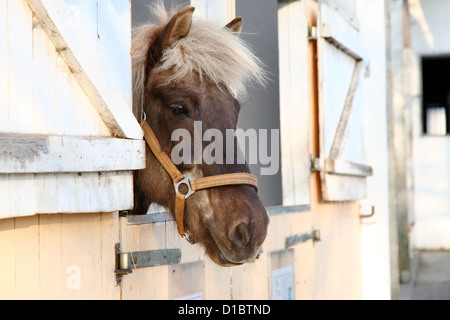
<point x="87" y="11"/>
<point x="20" y="53"/>
<point x="67" y="193"/>
<point x="50" y="257"/>
<point x="217" y="281"/>
<point x="22" y="195"/>
<point x="149" y="279"/>
<point x="230" y="10"/>
<point x="129" y="236"/>
<point x="27" y="258"/>
<point x="89" y="192"/>
<point x="109" y="237"/>
<point x="153" y="217"/>
<point x="187" y="281"/>
<point x="71" y="103"/>
<point x="246" y="280"/>
<point x="114" y="42"/>
<point x="294" y="89"/>
<point x="46" y="193"/>
<point x="347" y="168"/>
<point x="74" y="47"/>
<point x="141" y="283"/>
<point x="4" y="61"/>
<point x="22" y="153"/>
<point x="343" y="188"/>
<point x="305" y="271"/>
<point x="76" y="113"/>
<point x="7" y="257"/>
<point x="115" y="191"/>
<point x="5" y="197"/>
<point x="81" y="256"/>
<point x="153" y="237"/>
<point x="44" y="83"/>
<point x="282" y="210"/>
<point x="30" y="194"/>
<point x="189" y="252"/>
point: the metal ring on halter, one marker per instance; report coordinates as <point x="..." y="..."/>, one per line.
<point x="187" y="237"/>
<point x="187" y="182"/>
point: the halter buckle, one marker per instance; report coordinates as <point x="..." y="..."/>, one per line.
<point x="187" y="182"/>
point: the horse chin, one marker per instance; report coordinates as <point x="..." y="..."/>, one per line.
<point x="219" y="258"/>
<point x="218" y="254"/>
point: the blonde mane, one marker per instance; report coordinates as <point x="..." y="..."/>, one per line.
<point x="209" y="50"/>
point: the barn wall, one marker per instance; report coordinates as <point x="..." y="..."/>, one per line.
<point x="59" y="257"/>
<point x="72" y="256"/>
<point x="337" y="258"/>
<point x="375" y="238"/>
<point x="429" y="37"/>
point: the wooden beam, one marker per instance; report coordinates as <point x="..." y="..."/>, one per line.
<point x="347" y="168"/>
<point x="28" y="153"/>
<point x="346" y="111"/>
<point x="77" y="51"/>
<point x="343" y="188"/>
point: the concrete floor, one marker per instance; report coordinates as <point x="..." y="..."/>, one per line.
<point x="431" y="277"/>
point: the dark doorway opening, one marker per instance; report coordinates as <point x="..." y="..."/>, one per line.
<point x="436" y="95"/>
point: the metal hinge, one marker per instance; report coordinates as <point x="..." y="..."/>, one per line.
<point x="315" y="164"/>
<point x="301" y="238"/>
<point x="312" y="33"/>
<point x="127" y="261"/>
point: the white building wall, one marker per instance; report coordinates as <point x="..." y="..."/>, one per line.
<point x="430" y="36"/>
<point x="375" y="231"/>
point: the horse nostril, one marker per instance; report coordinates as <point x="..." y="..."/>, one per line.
<point x="240" y="235"/>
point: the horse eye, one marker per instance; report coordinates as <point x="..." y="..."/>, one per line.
<point x="178" y="109"/>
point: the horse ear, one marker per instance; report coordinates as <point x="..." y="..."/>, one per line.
<point x="178" y="27"/>
<point x="235" y="25"/>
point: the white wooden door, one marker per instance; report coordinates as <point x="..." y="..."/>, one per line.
<point x="68" y="138"/>
<point x="342" y="64"/>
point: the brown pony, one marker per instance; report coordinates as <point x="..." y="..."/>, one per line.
<point x="187" y="70"/>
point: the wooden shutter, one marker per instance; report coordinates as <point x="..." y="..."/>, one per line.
<point x="294" y="103"/>
<point x="68" y="138"/>
<point x="342" y="65"/>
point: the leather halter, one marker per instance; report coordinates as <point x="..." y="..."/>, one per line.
<point x="193" y="185"/>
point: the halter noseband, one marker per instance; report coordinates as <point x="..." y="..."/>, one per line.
<point x="193" y="185"/>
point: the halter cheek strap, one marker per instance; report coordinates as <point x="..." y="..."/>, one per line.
<point x="192" y="185"/>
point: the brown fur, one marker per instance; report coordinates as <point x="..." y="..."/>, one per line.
<point x="229" y="222"/>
